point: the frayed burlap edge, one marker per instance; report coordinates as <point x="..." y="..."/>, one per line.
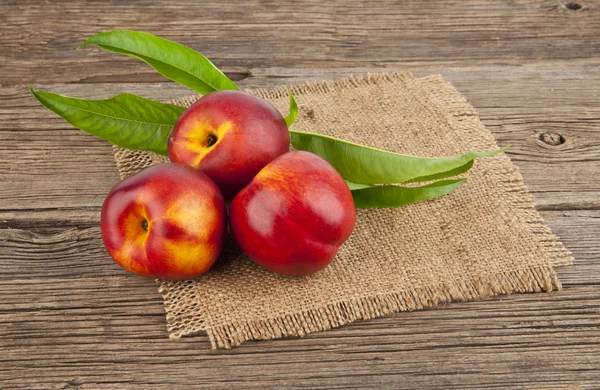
<point x="535" y="279"/>
<point x="538" y="279"/>
<point x="506" y="173"/>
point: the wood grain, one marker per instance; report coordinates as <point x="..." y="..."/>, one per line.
<point x="313" y="34"/>
<point x="70" y="318"/>
<point x="111" y="334"/>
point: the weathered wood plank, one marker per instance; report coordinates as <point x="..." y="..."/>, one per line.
<point x="68" y="248"/>
<point x="110" y="333"/>
<point x="40" y="38"/>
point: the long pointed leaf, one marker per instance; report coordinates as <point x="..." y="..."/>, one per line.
<point x="171" y="59"/>
<point x="356" y="186"/>
<point x="442" y="175"/>
<point x="395" y="196"/>
<point x="365" y="165"/>
<point x="291" y="118"/>
<point x="125" y="120"/>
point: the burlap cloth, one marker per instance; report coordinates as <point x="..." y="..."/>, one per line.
<point x="484" y="239"/>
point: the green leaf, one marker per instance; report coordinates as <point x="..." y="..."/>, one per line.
<point x="365" y="165"/>
<point x="291" y="118"/>
<point x="442" y="175"/>
<point x="125" y="120"/>
<point x="171" y="59"/>
<point x="355" y="186"/>
<point x="395" y="196"/>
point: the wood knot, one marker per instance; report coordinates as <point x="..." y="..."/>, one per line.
<point x="573" y="6"/>
<point x="552" y="139"/>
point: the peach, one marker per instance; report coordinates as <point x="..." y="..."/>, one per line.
<point x="168" y="222"/>
<point x="294" y="215"/>
<point x="230" y="136"/>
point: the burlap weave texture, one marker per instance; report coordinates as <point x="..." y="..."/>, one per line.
<point x="484" y="239"/>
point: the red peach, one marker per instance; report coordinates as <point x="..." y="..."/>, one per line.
<point x="294" y="215"/>
<point x="168" y="221"/>
<point x="230" y="136"/>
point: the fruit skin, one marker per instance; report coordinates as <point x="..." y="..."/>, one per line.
<point x="294" y="215"/>
<point x="185" y="218"/>
<point x="230" y="136"/>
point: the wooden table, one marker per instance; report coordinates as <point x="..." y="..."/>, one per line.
<point x="70" y="318"/>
